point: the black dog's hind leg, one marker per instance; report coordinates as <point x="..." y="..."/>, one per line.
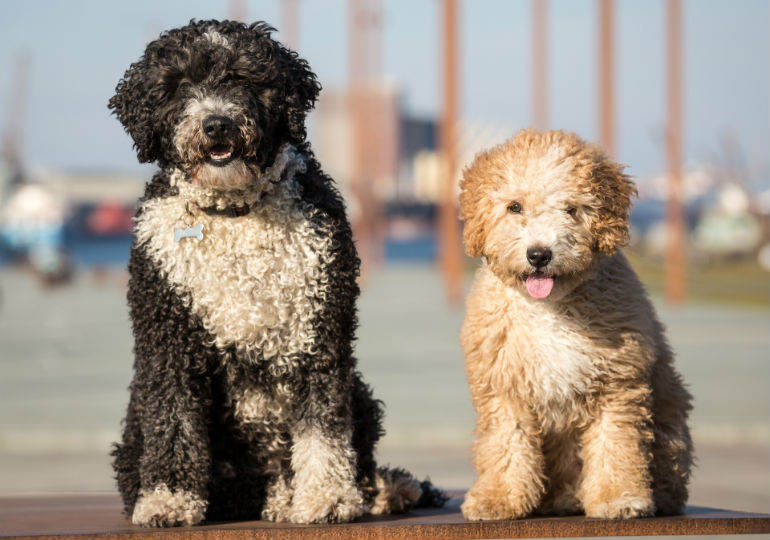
<point x="166" y="432"/>
<point x="367" y="430"/>
<point x="126" y="456"/>
<point x="386" y="490"/>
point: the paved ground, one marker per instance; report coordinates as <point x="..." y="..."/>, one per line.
<point x="65" y="360"/>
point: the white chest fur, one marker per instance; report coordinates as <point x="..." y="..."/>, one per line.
<point x="556" y="357"/>
<point x="253" y="280"/>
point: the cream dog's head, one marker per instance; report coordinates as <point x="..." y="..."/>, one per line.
<point x="542" y="208"/>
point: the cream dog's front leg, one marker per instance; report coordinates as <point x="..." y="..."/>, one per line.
<point x="615" y="480"/>
<point x="510" y="466"/>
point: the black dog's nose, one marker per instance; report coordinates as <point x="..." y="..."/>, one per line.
<point x="539" y="256"/>
<point x="218" y="127"/>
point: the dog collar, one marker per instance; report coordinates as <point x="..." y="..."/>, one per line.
<point x="228" y="211"/>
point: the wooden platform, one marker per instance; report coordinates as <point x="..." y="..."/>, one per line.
<point x="99" y="517"/>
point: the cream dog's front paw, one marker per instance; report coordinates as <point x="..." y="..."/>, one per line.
<point x="624" y="507"/>
<point x="495" y="502"/>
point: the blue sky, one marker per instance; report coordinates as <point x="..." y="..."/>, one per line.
<point x="79" y="49"/>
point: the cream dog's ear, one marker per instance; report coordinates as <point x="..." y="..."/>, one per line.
<point x="613" y="190"/>
<point x="474" y="230"/>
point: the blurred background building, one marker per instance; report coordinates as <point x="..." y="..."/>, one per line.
<point x="677" y="89"/>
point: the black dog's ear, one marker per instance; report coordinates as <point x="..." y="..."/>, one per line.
<point x="131" y="104"/>
<point x="301" y="92"/>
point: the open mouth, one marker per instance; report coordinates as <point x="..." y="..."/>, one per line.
<point x="539" y="284"/>
<point x="221" y="154"/>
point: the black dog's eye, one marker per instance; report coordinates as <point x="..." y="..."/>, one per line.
<point x="572" y="210"/>
<point x="184" y="86"/>
<point x="515" y="207"/>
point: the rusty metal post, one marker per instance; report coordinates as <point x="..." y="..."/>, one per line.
<point x="238" y="10"/>
<point x="676" y="249"/>
<point x="449" y="224"/>
<point x="290" y="23"/>
<point x="356" y="81"/>
<point x="606" y="76"/>
<point x="365" y="64"/>
<point x="540" y="64"/>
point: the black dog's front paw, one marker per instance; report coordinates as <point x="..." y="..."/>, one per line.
<point x="327" y="504"/>
<point x="162" y="507"/>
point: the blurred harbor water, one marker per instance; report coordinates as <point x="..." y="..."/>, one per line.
<point x="65" y="364"/>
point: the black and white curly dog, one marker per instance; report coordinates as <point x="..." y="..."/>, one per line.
<point x="245" y="400"/>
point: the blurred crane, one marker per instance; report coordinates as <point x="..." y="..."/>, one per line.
<point x="12" y="135"/>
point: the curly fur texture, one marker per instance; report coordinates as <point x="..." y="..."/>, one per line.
<point x="245" y="400"/>
<point x="579" y="407"/>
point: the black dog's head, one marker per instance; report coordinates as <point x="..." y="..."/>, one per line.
<point x="216" y="99"/>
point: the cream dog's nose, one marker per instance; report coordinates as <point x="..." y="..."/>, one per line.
<point x="539" y="256"/>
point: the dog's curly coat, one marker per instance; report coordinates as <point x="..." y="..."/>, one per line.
<point x="579" y="407"/>
<point x="245" y="400"/>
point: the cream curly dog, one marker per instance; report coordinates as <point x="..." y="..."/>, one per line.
<point x="579" y="407"/>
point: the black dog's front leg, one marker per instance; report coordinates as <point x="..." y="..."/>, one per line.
<point x="174" y="468"/>
<point x="323" y="460"/>
<point x="168" y="418"/>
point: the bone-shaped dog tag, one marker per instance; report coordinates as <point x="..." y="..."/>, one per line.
<point x="188" y="232"/>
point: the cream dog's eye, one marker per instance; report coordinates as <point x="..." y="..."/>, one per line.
<point x="572" y="210"/>
<point x="515" y="207"/>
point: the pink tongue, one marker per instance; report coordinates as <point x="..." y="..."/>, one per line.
<point x="539" y="286"/>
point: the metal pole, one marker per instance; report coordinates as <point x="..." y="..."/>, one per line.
<point x="238" y="10"/>
<point x="676" y="249"/>
<point x="449" y="225"/>
<point x="365" y="62"/>
<point x="540" y="64"/>
<point x="374" y="121"/>
<point x="290" y="23"/>
<point x="356" y="185"/>
<point x="606" y="89"/>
